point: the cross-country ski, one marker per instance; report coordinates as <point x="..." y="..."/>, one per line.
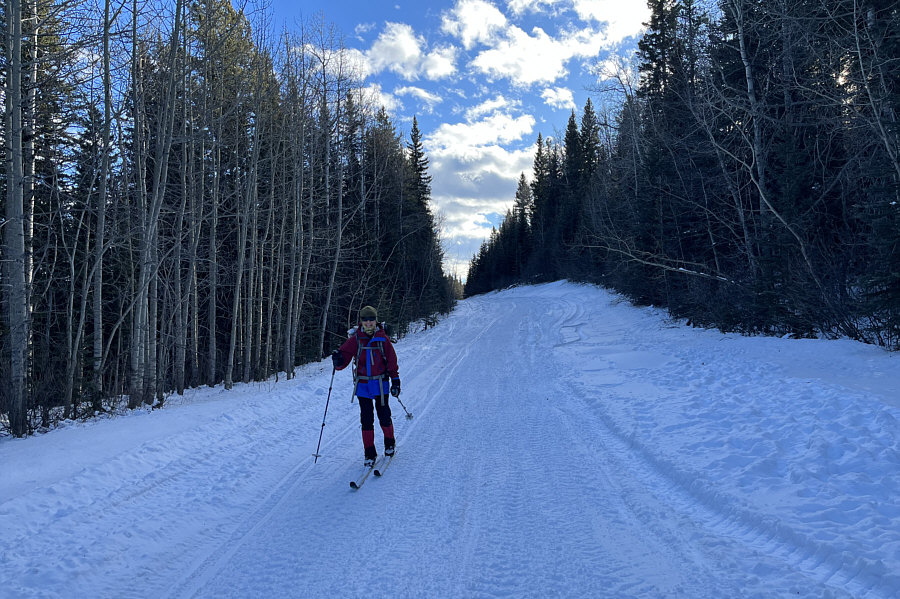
<point x="367" y="470"/>
<point x="380" y="468"/>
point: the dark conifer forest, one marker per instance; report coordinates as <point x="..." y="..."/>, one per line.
<point x="187" y="200"/>
<point x="746" y="175"/>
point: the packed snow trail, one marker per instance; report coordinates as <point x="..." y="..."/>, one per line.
<point x="565" y="444"/>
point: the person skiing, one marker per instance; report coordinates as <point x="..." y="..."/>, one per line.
<point x="375" y="361"/>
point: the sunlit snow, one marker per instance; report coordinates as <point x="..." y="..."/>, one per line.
<point x="565" y="444"/>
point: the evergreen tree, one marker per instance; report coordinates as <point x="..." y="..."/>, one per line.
<point x="542" y="211"/>
<point x="427" y="288"/>
<point x="521" y="215"/>
<point x="420" y="180"/>
<point x="590" y="150"/>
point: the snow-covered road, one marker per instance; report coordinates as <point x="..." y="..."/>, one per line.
<point x="565" y="444"/>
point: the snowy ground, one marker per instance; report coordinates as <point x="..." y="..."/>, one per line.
<point x="565" y="444"/>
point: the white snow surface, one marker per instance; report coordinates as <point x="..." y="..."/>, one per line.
<point x="564" y="444"/>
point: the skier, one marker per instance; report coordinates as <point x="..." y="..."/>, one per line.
<point x="375" y="360"/>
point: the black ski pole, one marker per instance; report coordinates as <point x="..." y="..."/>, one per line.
<point x="408" y="415"/>
<point x="333" y="370"/>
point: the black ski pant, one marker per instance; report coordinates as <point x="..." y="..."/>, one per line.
<point x="367" y="409"/>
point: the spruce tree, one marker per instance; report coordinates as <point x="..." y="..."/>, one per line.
<point x="522" y="210"/>
<point x="420" y="180"/>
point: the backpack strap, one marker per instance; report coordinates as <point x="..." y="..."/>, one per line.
<point x="371" y="345"/>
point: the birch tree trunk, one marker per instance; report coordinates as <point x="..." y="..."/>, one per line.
<point x="100" y="234"/>
<point x="192" y="301"/>
<point x="138" y="312"/>
<point x="145" y="352"/>
<point x="760" y="163"/>
<point x="879" y="112"/>
<point x="181" y="298"/>
<point x="244" y="217"/>
<point x="213" y="266"/>
<point x="14" y="228"/>
<point x="28" y="152"/>
<point x="250" y="341"/>
<point x="298" y="245"/>
<point x="74" y="332"/>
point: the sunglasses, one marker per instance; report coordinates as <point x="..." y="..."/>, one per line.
<point x="368" y="319"/>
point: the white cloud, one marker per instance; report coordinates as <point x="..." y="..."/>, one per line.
<point x="473" y="21"/>
<point x="484" y="173"/>
<point x="468" y="187"/>
<point x="524" y="59"/>
<point x="358" y="62"/>
<point x="488" y="106"/>
<point x="363" y="28"/>
<point x="624" y="17"/>
<point x="401" y="51"/>
<point x="497" y="128"/>
<point x="518" y="7"/>
<point x="441" y="63"/>
<point x="429" y="99"/>
<point x="397" y="49"/>
<point x="474" y="176"/>
<point x="537" y="57"/>
<point x="559" y="98"/>
<point x="378" y="97"/>
<point x="527" y="59"/>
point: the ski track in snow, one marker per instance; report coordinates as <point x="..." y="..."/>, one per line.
<point x="564" y="444"/>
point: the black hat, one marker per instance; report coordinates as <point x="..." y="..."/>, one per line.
<point x="368" y="312"/>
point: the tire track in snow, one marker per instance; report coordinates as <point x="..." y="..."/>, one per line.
<point x="629" y="533"/>
<point x="197" y="577"/>
<point x="218" y="550"/>
<point x="716" y="513"/>
<point x="568" y="521"/>
<point x="192" y="582"/>
<point x="144" y="478"/>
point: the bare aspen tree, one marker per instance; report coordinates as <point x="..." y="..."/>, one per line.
<point x="75" y="329"/>
<point x="755" y="112"/>
<point x="212" y="123"/>
<point x="303" y="191"/>
<point x="881" y="112"/>
<point x="297" y="73"/>
<point x="100" y="232"/>
<point x="28" y="150"/>
<point x="16" y="302"/>
<point x="144" y="346"/>
<point x="180" y="298"/>
<point x="275" y="293"/>
<point x="246" y="190"/>
<point x="244" y="220"/>
<point x="192" y="285"/>
<point x="138" y="312"/>
<point x="331" y="123"/>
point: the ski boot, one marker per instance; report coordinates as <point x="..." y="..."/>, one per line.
<point x="371" y="456"/>
<point x="388" y="440"/>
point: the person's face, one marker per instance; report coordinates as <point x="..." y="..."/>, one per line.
<point x="368" y="324"/>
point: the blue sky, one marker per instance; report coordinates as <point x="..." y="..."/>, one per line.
<point x="483" y="77"/>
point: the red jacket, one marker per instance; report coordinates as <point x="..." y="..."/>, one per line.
<point x="373" y="358"/>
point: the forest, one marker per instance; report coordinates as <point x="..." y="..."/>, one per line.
<point x="188" y="199"/>
<point x="742" y="171"/>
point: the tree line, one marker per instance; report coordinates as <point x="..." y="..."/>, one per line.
<point x="745" y="174"/>
<point x="188" y="200"/>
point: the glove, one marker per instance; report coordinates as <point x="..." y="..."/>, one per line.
<point x="395" y="387"/>
<point x="337" y="359"/>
